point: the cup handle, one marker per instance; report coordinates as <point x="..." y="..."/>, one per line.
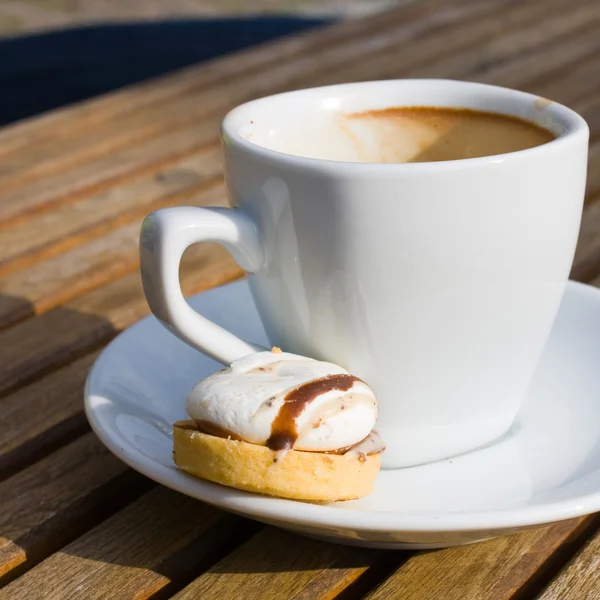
<point x="164" y="236"/>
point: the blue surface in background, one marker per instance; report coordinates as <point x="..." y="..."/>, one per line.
<point x="42" y="72"/>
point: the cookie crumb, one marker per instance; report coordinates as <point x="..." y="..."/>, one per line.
<point x="276" y="350"/>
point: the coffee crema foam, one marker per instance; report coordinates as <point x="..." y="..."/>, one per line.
<point x="433" y="134"/>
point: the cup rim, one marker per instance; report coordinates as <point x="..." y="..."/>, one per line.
<point x="230" y="130"/>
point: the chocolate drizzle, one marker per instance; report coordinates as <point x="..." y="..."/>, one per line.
<point x="284" y="430"/>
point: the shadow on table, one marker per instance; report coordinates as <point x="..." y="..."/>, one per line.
<point x="38" y="402"/>
<point x="42" y="72"/>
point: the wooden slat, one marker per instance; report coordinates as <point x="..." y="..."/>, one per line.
<point x="115" y="136"/>
<point x="576" y="83"/>
<point x="499" y="569"/>
<point x="518" y="59"/>
<point x="38" y="417"/>
<point x="47" y="283"/>
<point x="471" y="46"/>
<point x="146" y="548"/>
<point x="580" y="579"/>
<point x="593" y="176"/>
<point x="587" y="257"/>
<point x="55" y="500"/>
<point x="589" y="108"/>
<point x="33" y="347"/>
<point x="52" y="232"/>
<point x="276" y="564"/>
<point x="96" y="176"/>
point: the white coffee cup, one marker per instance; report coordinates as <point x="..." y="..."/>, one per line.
<point x="437" y="283"/>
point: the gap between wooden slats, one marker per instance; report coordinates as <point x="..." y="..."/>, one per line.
<point x="95" y="175"/>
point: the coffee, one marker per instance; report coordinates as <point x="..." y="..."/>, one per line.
<point x="431" y="134"/>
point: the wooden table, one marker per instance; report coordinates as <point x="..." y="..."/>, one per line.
<point x="74" y="185"/>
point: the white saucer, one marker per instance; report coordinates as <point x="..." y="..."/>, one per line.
<point x="547" y="469"/>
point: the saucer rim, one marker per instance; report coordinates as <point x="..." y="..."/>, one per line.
<point x="267" y="508"/>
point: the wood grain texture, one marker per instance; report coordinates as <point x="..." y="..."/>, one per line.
<point x="59" y="336"/>
<point x="576" y="83"/>
<point x="516" y="58"/>
<point x="593" y="178"/>
<point x="493" y="570"/>
<point x="58" y="498"/>
<point x="99" y="175"/>
<point x="49" y="233"/>
<point x="589" y="108"/>
<point x="108" y="251"/>
<point x="38" y="417"/>
<point x="275" y="564"/>
<point x="587" y="256"/>
<point x="580" y="579"/>
<point x="469" y="46"/>
<point x="148" y="547"/>
<point x="541" y="60"/>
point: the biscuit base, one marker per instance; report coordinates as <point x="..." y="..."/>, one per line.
<point x="298" y="475"/>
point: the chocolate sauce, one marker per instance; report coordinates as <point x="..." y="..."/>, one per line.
<point x="284" y="431"/>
